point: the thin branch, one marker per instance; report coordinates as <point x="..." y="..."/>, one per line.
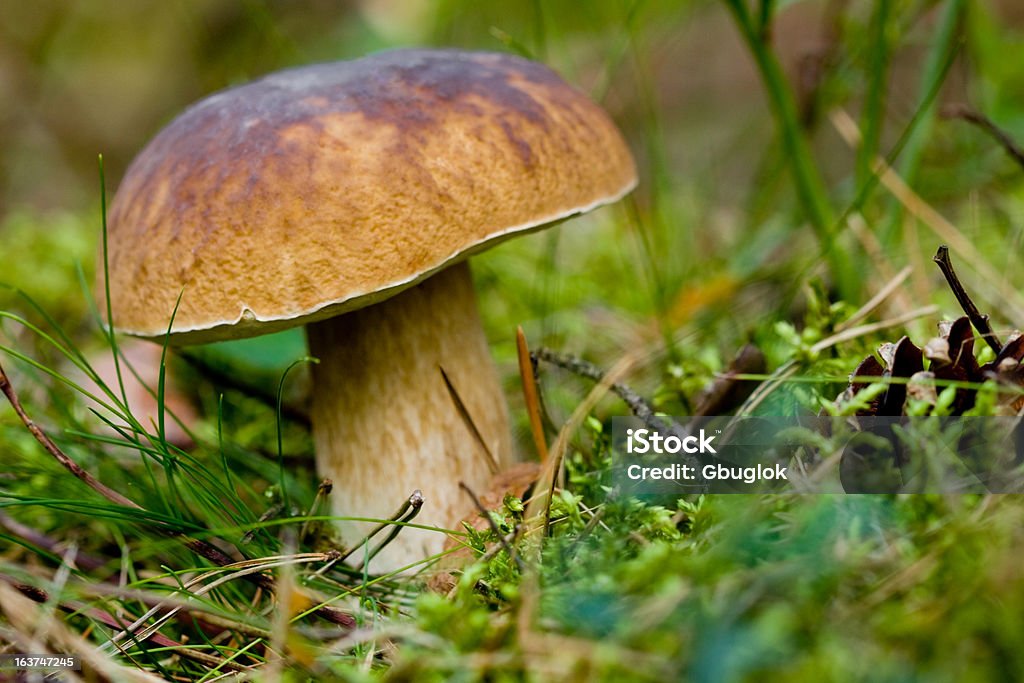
<point x="979" y="321"/>
<point x="965" y="113"/>
<point x="113" y="496"/>
<point x="637" y="403"/>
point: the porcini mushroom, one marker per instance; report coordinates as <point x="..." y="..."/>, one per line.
<point x="346" y="197"/>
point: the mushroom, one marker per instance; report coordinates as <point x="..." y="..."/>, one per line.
<point x="346" y="197"/>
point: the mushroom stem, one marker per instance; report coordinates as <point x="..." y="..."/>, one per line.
<point x="385" y="422"/>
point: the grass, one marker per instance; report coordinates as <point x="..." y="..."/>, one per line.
<point x="220" y="555"/>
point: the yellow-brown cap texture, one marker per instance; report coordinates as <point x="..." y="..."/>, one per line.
<point x="323" y="189"/>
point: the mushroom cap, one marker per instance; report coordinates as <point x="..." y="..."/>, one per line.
<point x="322" y="189"/>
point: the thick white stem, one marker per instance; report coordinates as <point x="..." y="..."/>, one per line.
<point x="384" y="421"/>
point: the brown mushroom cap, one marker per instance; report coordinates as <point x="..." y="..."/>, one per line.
<point x="320" y="190"/>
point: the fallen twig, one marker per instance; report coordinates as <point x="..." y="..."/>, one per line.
<point x="979" y="321"/>
<point x="965" y="113"/>
<point x="637" y="403"/>
<point x="12" y="397"/>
